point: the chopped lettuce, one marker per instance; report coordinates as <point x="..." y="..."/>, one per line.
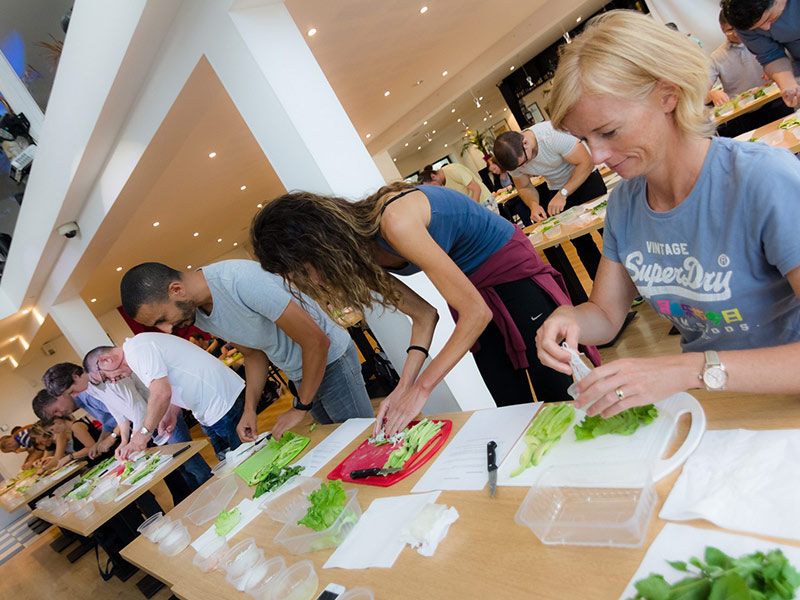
<point x="276" y="477"/>
<point x="144" y="472"/>
<point x="276" y="454"/>
<point x="789" y="123"/>
<point x="327" y="504"/>
<point x="415" y="438"/>
<point x="625" y="423"/>
<point x="226" y="521"/>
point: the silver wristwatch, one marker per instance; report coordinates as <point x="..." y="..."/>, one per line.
<point x="146" y="432"/>
<point x="714" y="375"/>
<point x="563" y="191"/>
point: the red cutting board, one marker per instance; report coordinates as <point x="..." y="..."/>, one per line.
<point x="369" y="455"/>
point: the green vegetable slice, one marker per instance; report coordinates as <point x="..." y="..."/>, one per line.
<point x="149" y="468"/>
<point x="327" y="504"/>
<point x="545" y="431"/>
<point x="273" y="454"/>
<point x="98" y="468"/>
<point x="276" y="477"/>
<point x="415" y="438"/>
<point x="625" y="423"/>
<point x="226" y="521"/>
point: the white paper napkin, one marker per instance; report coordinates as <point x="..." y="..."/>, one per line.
<point x="249" y="510"/>
<point x="680" y="542"/>
<point x="375" y="540"/>
<point x="741" y="480"/>
<point x="429" y="528"/>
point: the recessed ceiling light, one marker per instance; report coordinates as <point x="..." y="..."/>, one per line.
<point x="156" y="224"/>
<point x="312" y="31"/>
<point x="424" y="122"/>
<point x="235" y="243"/>
<point x="12" y="339"/>
<point x="484" y="118"/>
<point x="505" y="109"/>
<point x="259" y="205"/>
<point x="434" y="131"/>
<point x="423" y="10"/>
<point x="212" y="155"/>
<point x="420" y="81"/>
<point x="219" y="240"/>
<point x="452" y="110"/>
<point x="93" y="300"/>
<point x="26" y="311"/>
<point x="578" y="20"/>
<point x="386" y="93"/>
<point x="119" y="268"/>
<point x="369" y="135"/>
<point x="458" y="120"/>
<point x="406" y="144"/>
<point x="394" y="159"/>
<point x="445" y="145"/>
<point x="188" y="266"/>
<point x="243" y="188"/>
<point x="195" y="234"/>
<point x="512" y="68"/>
<point x="481" y="98"/>
<point x="419" y="147"/>
<point x="444" y="73"/>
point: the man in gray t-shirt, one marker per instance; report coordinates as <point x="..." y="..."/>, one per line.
<point x="238" y="301"/>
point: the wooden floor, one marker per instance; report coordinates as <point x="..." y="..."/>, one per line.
<point x="40" y="572"/>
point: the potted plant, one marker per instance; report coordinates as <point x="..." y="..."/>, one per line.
<point x="477" y="139"/>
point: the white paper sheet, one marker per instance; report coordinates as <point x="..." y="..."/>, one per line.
<point x="249" y="510"/>
<point x="680" y="542"/>
<point x="741" y="480"/>
<point x="462" y="464"/>
<point x="375" y="541"/>
<point x="163" y="462"/>
<point x="332" y="445"/>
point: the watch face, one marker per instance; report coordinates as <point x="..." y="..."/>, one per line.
<point x="715" y="378"/>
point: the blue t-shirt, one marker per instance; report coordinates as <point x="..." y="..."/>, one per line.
<point x="716" y="264"/>
<point x="771" y="44"/>
<point x="247" y="302"/>
<point x="464" y="229"/>
<point x="96" y="409"/>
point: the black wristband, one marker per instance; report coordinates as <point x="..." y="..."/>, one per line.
<point x="420" y="348"/>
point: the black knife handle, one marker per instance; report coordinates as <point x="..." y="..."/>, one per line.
<point x="181" y="451"/>
<point x="490" y="455"/>
<point x="361" y="473"/>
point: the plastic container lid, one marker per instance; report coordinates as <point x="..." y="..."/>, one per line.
<point x="291" y="504"/>
<point x="591" y="504"/>
<point x="298" y="582"/>
<point x="209" y="556"/>
<point x="162" y="438"/>
<point x="221" y="469"/>
<point x="60" y="508"/>
<point x="241" y="557"/>
<point x="299" y="538"/>
<point x="251" y="576"/>
<point x="151" y="528"/>
<point x="359" y="593"/>
<point x="263" y="589"/>
<point x="175" y="540"/>
<point x="213" y="499"/>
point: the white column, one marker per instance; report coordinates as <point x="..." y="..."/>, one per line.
<point x="79" y="325"/>
<point x="387" y="167"/>
<point x="309" y="140"/>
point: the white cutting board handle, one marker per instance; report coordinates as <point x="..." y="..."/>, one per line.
<point x="680" y="404"/>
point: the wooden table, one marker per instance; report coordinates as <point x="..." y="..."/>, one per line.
<point x="780" y="138"/>
<point x="104" y="512"/>
<point x="485" y="555"/>
<point x="742" y="110"/>
<point x="14" y="502"/>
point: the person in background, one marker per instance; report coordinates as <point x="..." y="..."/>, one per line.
<point x="770" y="29"/>
<point x="20" y="441"/>
<point x="74" y="439"/>
<point x="461" y="179"/>
<point x="211" y="346"/>
<point x="501" y="181"/>
<point x="176" y="372"/>
<point x="733" y="65"/>
<point x="704" y="227"/>
<point x="343" y="253"/>
<point x="566" y="166"/>
<point x="238" y="301"/>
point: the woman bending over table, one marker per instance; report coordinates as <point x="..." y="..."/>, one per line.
<point x="705" y="228"/>
<point x="342" y="253"/>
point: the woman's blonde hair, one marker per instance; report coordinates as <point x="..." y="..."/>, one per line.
<point x="624" y="53"/>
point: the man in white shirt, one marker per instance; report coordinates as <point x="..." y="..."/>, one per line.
<point x="177" y="372"/>
<point x="734" y="65"/>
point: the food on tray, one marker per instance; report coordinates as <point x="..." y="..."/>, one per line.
<point x="226" y="521"/>
<point x="327" y="504"/>
<point x="625" y="423"/>
<point x="276" y="477"/>
<point x="415" y="438"/>
<point x="145" y="471"/>
<point x="98" y="468"/>
<point x="545" y="431"/>
<point x="274" y="454"/>
<point x="789" y="122"/>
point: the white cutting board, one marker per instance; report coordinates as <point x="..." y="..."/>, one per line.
<point x="648" y="443"/>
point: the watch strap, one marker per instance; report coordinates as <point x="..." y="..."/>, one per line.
<point x="296" y="404"/>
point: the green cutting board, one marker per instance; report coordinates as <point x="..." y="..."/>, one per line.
<point x="267" y="456"/>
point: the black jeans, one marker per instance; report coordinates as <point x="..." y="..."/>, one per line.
<point x="529" y="305"/>
<point x="588" y="252"/>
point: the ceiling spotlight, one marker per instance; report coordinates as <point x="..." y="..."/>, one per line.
<point x="188" y="266"/>
<point x="312" y="31"/>
<point x="119" y="268"/>
<point x="445" y="145"/>
<point x="424" y="122"/>
<point x="369" y="135"/>
<point x="567" y="37"/>
<point x="505" y="109"/>
<point x="419" y="147"/>
<point x="259" y="206"/>
<point x="394" y="159"/>
<point x="235" y="244"/>
<point x="512" y="68"/>
<point x="93" y="300"/>
<point x="419" y="82"/>
<point x="480" y="98"/>
<point x="458" y="120"/>
<point x="386" y="93"/>
<point x="196" y="234"/>
<point x="444" y="73"/>
<point x="12" y="339"/>
<point x="423" y="10"/>
<point x="212" y="155"/>
<point x="452" y="110"/>
<point x="484" y="118"/>
<point x="578" y="20"/>
<point x="156" y="224"/>
<point x="243" y="188"/>
<point x="406" y="144"/>
<point x="477" y="102"/>
<point x="219" y="240"/>
<point x="434" y="131"/>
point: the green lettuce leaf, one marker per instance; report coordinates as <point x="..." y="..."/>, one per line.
<point x="226" y="521"/>
<point x="326" y="504"/>
<point x="625" y="423"/>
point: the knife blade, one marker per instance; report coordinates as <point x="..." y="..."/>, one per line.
<point x="362" y="473"/>
<point x="491" y="460"/>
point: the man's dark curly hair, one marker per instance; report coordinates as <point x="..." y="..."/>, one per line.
<point x="743" y="14"/>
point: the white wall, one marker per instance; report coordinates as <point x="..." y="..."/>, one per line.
<point x="115" y="327"/>
<point x="698" y="17"/>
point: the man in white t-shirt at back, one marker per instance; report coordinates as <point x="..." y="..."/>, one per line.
<point x="178" y="372"/>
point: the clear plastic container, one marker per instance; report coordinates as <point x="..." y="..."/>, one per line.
<point x="298" y="582"/>
<point x="46" y="504"/>
<point x="213" y="499"/>
<point x="553" y="232"/>
<point x="86" y="511"/>
<point x="153" y="526"/>
<point x="359" y="593"/>
<point x="239" y="560"/>
<point x="590" y="505"/>
<point x="774" y="138"/>
<point x="162" y="438"/>
<point x="299" y="538"/>
<point x="60" y="508"/>
<point x="209" y="556"/>
<point x="106" y="490"/>
<point x="221" y="469"/>
<point x="292" y="504"/>
<point x="175" y="540"/>
<point x="251" y="577"/>
<point x="262" y="590"/>
<point x="536" y="237"/>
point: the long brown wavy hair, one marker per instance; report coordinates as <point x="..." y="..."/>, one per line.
<point x="322" y="245"/>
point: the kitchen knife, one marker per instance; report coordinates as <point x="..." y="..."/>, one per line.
<point x="491" y="460"/>
<point x="361" y="473"/>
